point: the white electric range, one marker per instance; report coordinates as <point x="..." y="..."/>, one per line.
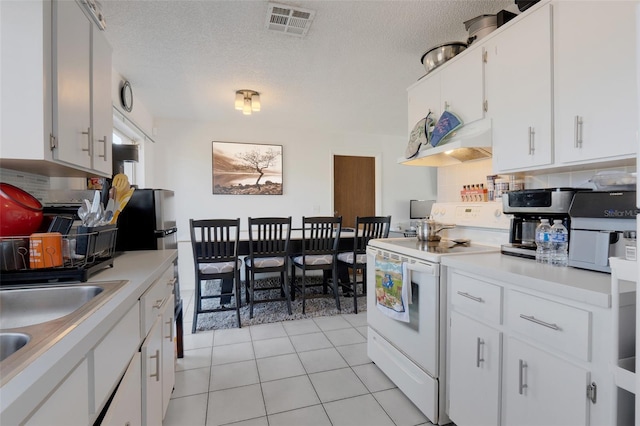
<point x="412" y="354"/>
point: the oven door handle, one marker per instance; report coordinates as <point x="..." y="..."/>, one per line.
<point x="430" y="269"/>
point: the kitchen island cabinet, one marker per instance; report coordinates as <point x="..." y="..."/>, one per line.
<point x="555" y="360"/>
<point x="107" y="330"/>
<point x="56" y="85"/>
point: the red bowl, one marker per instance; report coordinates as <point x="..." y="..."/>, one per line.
<point x="20" y="212"/>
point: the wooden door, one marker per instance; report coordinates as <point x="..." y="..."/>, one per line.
<point x="353" y="187"/>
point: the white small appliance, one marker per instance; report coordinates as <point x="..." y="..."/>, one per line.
<point x="412" y="354"/>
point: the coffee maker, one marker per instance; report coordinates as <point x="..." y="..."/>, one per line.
<point x="528" y="207"/>
<point x="599" y="220"/>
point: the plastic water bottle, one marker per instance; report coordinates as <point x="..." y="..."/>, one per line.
<point x="543" y="242"/>
<point x="559" y="244"/>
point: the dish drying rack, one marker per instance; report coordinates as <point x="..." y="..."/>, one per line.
<point x="85" y="251"/>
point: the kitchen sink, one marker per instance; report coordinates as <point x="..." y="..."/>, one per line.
<point x="29" y="306"/>
<point x="11" y="342"/>
<point x="33" y="317"/>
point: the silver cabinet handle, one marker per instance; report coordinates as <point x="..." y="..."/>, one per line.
<point x="446" y="106"/>
<point x="88" y="149"/>
<point x="104" y="148"/>
<point x="539" y="322"/>
<point x="170" y="324"/>
<point x="521" y="384"/>
<point x="468" y="296"/>
<point x="532" y="134"/>
<point x="157" y="357"/>
<point x="479" y="345"/>
<point x="577" y="132"/>
<point x="158" y="304"/>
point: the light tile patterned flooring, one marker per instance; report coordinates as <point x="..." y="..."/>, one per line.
<point x="301" y="373"/>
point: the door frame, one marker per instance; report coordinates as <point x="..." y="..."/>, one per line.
<point x="350" y="152"/>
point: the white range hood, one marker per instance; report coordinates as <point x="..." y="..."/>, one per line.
<point x="471" y="142"/>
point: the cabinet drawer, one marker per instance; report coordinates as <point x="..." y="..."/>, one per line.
<point x="114" y="352"/>
<point x="561" y="327"/>
<point x="477" y="298"/>
<point x="153" y="299"/>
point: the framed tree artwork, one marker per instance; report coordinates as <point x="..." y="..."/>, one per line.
<point x="246" y="168"/>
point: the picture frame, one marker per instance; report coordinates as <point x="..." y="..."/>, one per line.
<point x="246" y="168"/>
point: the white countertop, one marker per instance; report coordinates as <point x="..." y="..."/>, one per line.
<point x="579" y="285"/>
<point x="38" y="376"/>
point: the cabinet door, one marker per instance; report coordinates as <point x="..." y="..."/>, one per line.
<point x="151" y="353"/>
<point x="518" y="84"/>
<point x="69" y="403"/>
<point x="542" y="389"/>
<point x="126" y="406"/>
<point x="595" y="96"/>
<point x="71" y="84"/>
<point x="424" y="96"/>
<point x="101" y="111"/>
<point x="462" y="86"/>
<point x="168" y="353"/>
<point x="474" y="365"/>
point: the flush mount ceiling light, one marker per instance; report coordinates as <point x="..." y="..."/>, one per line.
<point x="247" y="101"/>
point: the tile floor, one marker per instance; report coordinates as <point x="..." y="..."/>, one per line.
<point x="303" y="373"/>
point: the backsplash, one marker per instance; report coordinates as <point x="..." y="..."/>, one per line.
<point x="36" y="185"/>
<point x="451" y="179"/>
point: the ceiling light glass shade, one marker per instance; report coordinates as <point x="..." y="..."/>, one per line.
<point x="239" y="100"/>
<point x="246" y="110"/>
<point x="255" y="102"/>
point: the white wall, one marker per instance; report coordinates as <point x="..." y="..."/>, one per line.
<point x="182" y="158"/>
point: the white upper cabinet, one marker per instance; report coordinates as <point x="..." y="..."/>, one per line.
<point x="595" y="81"/>
<point x="518" y="91"/>
<point x="101" y="109"/>
<point x="56" y="90"/>
<point x="462" y="86"/>
<point x="71" y="84"/>
<point x="424" y="96"/>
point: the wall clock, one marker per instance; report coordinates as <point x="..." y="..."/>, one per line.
<point x="126" y="96"/>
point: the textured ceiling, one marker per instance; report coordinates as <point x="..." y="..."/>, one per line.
<point x="186" y="59"/>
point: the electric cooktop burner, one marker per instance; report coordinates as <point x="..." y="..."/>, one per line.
<point x="431" y="250"/>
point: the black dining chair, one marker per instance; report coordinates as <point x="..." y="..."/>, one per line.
<point x="215" y="256"/>
<point x="366" y="228"/>
<point x="268" y="252"/>
<point x="320" y="238"/>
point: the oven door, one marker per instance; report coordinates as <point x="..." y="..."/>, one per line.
<point x="418" y="338"/>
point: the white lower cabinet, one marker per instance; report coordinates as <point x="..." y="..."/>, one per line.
<point x="168" y="353"/>
<point x="518" y="356"/>
<point x="150" y="354"/>
<point x="474" y="363"/>
<point x="542" y="389"/>
<point x="126" y="406"/>
<point x="68" y="404"/>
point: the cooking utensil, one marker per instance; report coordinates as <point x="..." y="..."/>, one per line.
<point x="20" y="212"/>
<point x="438" y="55"/>
<point x="121" y="184"/>
<point x="427" y="230"/>
<point x="480" y="26"/>
<point x="121" y="205"/>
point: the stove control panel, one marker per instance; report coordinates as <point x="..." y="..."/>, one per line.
<point x="481" y="215"/>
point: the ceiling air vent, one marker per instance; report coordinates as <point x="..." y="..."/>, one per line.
<point x="289" y="20"/>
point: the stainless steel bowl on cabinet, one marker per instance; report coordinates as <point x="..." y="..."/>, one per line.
<point x="438" y="55"/>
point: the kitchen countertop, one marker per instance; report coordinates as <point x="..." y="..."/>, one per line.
<point x="579" y="285"/>
<point x="39" y="375"/>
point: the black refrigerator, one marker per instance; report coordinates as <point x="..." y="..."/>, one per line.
<point x="148" y="221"/>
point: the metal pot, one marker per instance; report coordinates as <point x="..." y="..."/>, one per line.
<point x="480" y="26"/>
<point x="438" y="55"/>
<point x="428" y="229"/>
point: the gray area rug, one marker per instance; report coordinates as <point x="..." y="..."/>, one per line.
<point x="275" y="311"/>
